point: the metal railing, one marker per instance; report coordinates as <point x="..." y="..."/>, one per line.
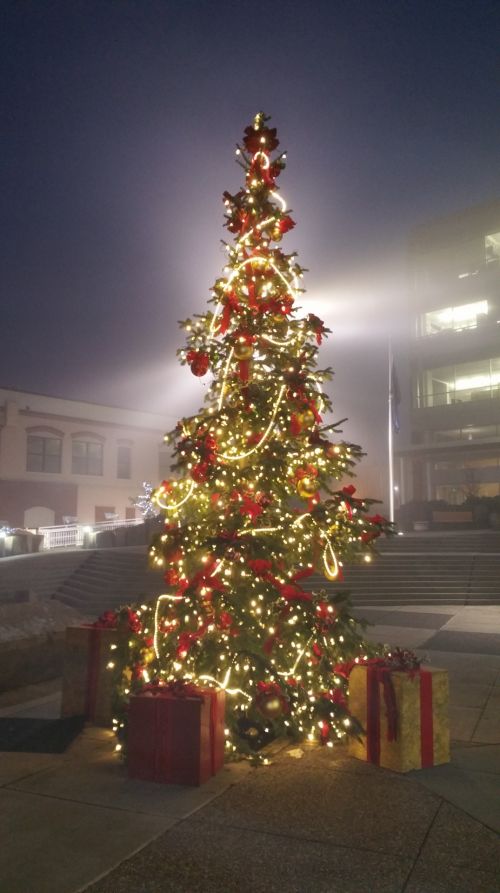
<point x="72" y="535"/>
<point x="452" y="397"/>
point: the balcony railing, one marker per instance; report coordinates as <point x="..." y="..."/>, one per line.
<point x="72" y="535"/>
<point x="451" y="398"/>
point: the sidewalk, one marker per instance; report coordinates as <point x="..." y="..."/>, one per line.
<point x="314" y="820"/>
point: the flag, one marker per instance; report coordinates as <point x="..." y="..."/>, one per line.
<point x="395" y="398"/>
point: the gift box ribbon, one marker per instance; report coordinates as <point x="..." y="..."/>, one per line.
<point x="377" y="675"/>
<point x="93" y="666"/>
<point x="182" y="689"/>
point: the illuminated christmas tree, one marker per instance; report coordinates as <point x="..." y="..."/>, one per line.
<point x="256" y="505"/>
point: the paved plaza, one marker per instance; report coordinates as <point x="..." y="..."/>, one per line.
<point x="315" y="819"/>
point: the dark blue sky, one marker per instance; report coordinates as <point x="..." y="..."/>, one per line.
<point x="120" y="120"/>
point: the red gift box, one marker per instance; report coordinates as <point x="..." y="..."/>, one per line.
<point x="176" y="735"/>
<point x="87" y="683"/>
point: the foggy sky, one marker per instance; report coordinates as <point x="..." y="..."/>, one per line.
<point x="120" y="120"/>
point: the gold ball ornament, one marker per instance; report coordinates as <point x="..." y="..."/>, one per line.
<point x="307" y="419"/>
<point x="243" y="351"/>
<point x="272" y="707"/>
<point x="307" y="487"/>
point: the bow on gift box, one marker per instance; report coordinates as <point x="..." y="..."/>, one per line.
<point x="179" y="688"/>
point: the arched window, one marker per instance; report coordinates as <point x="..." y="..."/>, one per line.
<point x="87" y="453"/>
<point x="44" y="450"/>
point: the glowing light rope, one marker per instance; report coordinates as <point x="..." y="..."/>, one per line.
<point x="279" y="199"/>
<point x="330" y="562"/>
<point x="172" y="598"/>
<point x="267" y="162"/>
<point x="224" y="685"/>
<point x="250" y="260"/>
<point x="278" y="343"/>
<point x="299" y="658"/>
<point x="169" y="507"/>
<point x="223" y="386"/>
<point x="235" y="458"/>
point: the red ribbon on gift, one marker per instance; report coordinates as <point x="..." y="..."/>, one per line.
<point x="93" y="662"/>
<point x="183" y="689"/>
<point x="376" y="674"/>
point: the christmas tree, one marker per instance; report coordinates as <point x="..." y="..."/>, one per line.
<point x="255" y="506"/>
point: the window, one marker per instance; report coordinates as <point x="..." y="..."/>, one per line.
<point x="87" y="457"/>
<point x="455" y="494"/>
<point x="462" y="383"/>
<point x="483" y="432"/>
<point x="44" y="454"/>
<point x="454" y="319"/>
<point x="124" y="461"/>
<point x="465" y="464"/>
<point x="492" y="248"/>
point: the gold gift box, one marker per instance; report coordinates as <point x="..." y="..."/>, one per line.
<point x="405" y="752"/>
<point x="87" y="683"/>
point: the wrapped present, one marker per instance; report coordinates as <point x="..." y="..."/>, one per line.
<point x="404" y="713"/>
<point x="176" y="734"/>
<point x="87" y="686"/>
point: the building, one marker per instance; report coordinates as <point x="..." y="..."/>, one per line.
<point x="65" y="459"/>
<point x="450" y="446"/>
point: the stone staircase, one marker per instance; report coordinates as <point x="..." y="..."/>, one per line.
<point x="41" y="573"/>
<point x="458" y="569"/>
<point x="461" y="568"/>
<point x="109" y="578"/>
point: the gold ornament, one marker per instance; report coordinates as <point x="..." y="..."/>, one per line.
<point x="272" y="707"/>
<point x="306" y="418"/>
<point x="278" y="318"/>
<point x="242" y="351"/>
<point x="307" y="487"/>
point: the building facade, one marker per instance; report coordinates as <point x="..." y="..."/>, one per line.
<point x="65" y="459"/>
<point x="450" y="448"/>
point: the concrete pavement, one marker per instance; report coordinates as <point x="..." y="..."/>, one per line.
<point x="315" y="819"/>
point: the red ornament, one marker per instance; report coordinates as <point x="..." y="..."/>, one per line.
<point x="285" y="224"/>
<point x="198" y="361"/>
<point x="171" y="576"/>
<point x="199" y="472"/>
<point x="261" y="140"/>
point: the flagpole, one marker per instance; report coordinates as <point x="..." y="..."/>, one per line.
<point x="389" y="440"/>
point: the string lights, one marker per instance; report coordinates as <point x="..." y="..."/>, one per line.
<point x="254" y="508"/>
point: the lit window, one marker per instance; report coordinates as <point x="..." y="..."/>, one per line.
<point x="123" y="465"/>
<point x="459" y="384"/>
<point x="492" y="247"/>
<point x="87" y="457"/>
<point x="454" y="319"/>
<point x="44" y="454"/>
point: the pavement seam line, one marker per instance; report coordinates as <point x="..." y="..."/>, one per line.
<point x="426" y="836"/>
<point x="491" y="687"/>
<point x="6" y="786"/>
<point x="301" y="838"/>
<point x="155" y="815"/>
<point x="147" y="843"/>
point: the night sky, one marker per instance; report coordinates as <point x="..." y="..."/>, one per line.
<point x="119" y="125"/>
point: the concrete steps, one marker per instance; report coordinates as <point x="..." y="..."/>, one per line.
<point x="41" y="573"/>
<point x="426" y="569"/>
<point x="109" y="578"/>
<point x="465" y="571"/>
